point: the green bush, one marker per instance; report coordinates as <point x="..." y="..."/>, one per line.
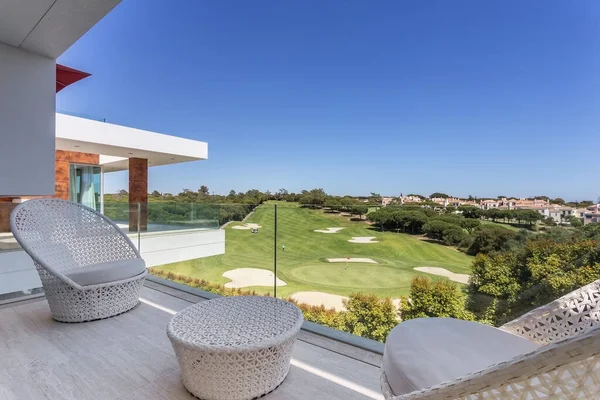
<point x="535" y="275"/>
<point x="369" y="316"/>
<point x="490" y="238"/>
<point x="434" y="299"/>
<point x="446" y="232"/>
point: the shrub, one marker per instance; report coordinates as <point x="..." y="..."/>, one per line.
<point x="489" y="238"/>
<point x="496" y="275"/>
<point x="434" y="299"/>
<point x="369" y="316"/>
<point x="446" y="232"/>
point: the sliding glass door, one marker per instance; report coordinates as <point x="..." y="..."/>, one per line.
<point x="85" y="185"/>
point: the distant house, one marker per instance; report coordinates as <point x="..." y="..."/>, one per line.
<point x="592" y="214"/>
<point x="507" y="204"/>
<point x="560" y="214"/>
<point x="529" y="204"/>
<point x="386" y="201"/>
<point x="410" y="199"/>
<point x="443" y="201"/>
<point x="489" y="204"/>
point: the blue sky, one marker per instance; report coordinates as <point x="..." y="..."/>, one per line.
<point x="466" y="97"/>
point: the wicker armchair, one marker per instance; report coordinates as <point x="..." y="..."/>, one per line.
<point x="88" y="267"/>
<point x="565" y="366"/>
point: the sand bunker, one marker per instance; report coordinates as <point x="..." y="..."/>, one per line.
<point x="328" y="300"/>
<point x="363" y="239"/>
<point x="460" y="278"/>
<point x="247" y="226"/>
<point x="353" y="260"/>
<point x="329" y="230"/>
<point x="245" y="277"/>
<point x="320" y="298"/>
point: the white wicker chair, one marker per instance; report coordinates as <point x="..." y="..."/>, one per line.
<point x="62" y="237"/>
<point x="566" y="366"/>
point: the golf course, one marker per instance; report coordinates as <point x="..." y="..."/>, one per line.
<point x="315" y="257"/>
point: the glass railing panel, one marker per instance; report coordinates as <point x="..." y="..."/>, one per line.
<point x="222" y="248"/>
<point x="18" y="276"/>
<point x="7" y="240"/>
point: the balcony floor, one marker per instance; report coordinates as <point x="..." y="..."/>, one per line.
<point x="130" y="357"/>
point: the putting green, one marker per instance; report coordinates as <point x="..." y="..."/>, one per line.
<point x="304" y="266"/>
<point x="368" y="277"/>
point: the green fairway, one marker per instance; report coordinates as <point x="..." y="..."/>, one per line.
<point x="304" y="266"/>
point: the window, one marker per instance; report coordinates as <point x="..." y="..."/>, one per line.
<point x="84" y="185"/>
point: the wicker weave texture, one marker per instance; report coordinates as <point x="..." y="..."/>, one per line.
<point x="235" y="348"/>
<point x="566" y="367"/>
<point x="61" y="236"/>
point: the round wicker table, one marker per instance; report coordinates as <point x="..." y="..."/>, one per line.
<point x="235" y="348"/>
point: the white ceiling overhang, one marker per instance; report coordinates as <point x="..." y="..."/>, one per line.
<point x="49" y="27"/>
<point x="116" y="144"/>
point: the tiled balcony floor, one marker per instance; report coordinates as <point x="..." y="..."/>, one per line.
<point x="130" y="357"/>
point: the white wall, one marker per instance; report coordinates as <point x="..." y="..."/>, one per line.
<point x="164" y="248"/>
<point x="18" y="273"/>
<point x="27" y="122"/>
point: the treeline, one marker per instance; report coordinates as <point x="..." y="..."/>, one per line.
<point x="506" y="283"/>
<point x="177" y="212"/>
<point x="200" y="205"/>
<point x="314" y="197"/>
<point x="464" y="231"/>
<point x="524" y="216"/>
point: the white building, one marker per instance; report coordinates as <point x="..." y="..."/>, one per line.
<point x="49" y="154"/>
<point x="592" y="214"/>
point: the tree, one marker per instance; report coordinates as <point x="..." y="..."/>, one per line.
<point x="203" y="190"/>
<point x="530" y="216"/>
<point x="375" y="198"/>
<point x="359" y="210"/>
<point x="496" y="275"/>
<point x="123" y="192"/>
<point x="156" y="194"/>
<point x="454" y="235"/>
<point x="415" y="221"/>
<point x="555" y="269"/>
<point x="549" y="221"/>
<point x="282" y="194"/>
<point x="442" y="299"/>
<point x="558" y="200"/>
<point x="490" y="238"/>
<point x="591" y="231"/>
<point x="470" y="224"/>
<point x="369" y="316"/>
<point x="445" y="232"/>
<point x="314" y="198"/>
<point x="471" y="211"/>
<point x="438" y="195"/>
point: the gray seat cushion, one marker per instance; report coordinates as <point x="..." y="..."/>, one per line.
<point x="107" y="272"/>
<point x="428" y="351"/>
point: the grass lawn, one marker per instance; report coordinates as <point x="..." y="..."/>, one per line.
<point x="303" y="265"/>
